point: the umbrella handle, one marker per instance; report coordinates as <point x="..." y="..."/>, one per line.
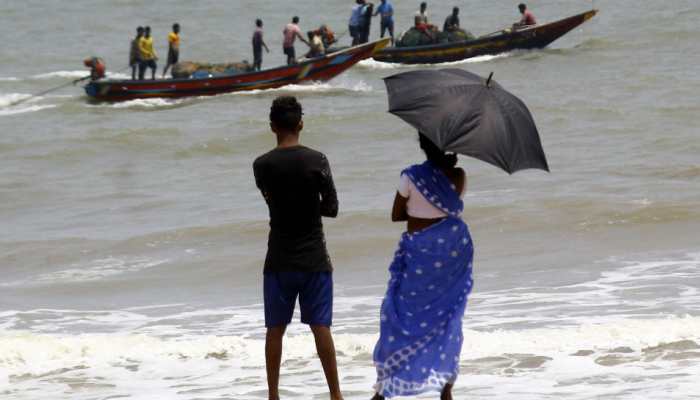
<point x="488" y="81"/>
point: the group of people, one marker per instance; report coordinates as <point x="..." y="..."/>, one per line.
<point x="142" y="55"/>
<point x="318" y="41"/>
<point x="420" y="318"/>
<point x="321" y="39"/>
<point x="362" y="13"/>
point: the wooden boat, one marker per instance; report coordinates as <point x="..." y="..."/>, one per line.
<point x="316" y="69"/>
<point x="535" y="37"/>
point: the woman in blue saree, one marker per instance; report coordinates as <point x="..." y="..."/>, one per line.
<point x="431" y="277"/>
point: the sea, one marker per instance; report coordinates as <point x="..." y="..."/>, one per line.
<point x="132" y="236"/>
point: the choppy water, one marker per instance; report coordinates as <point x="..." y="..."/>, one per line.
<point x="132" y="234"/>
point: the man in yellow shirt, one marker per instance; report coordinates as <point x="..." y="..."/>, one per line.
<point x="148" y="55"/>
<point x="173" y="48"/>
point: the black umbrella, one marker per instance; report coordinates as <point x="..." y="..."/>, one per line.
<point x="464" y="113"/>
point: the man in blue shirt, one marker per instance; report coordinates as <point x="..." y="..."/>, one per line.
<point x="356" y="22"/>
<point x="386" y="10"/>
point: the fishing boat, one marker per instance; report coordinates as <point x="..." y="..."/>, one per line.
<point x="534" y="37"/>
<point x="316" y="69"/>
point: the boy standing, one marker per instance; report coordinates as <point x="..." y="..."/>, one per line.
<point x="147" y="55"/>
<point x="297" y="185"/>
<point x="258" y="45"/>
<point x="173" y="48"/>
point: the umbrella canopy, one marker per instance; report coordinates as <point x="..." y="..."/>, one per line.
<point x="464" y="113"/>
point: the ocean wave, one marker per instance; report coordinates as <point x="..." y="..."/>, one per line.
<point x="61" y="74"/>
<point x="9" y="79"/>
<point x="93" y="271"/>
<point x="596" y="44"/>
<point x="639" y="214"/>
<point x="214" y="147"/>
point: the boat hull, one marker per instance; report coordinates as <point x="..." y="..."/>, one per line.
<point x="531" y="38"/>
<point x="318" y="69"/>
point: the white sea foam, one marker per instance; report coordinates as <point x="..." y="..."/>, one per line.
<point x="334" y="86"/>
<point x="11" y="98"/>
<point x="314" y="87"/>
<point x="141" y="103"/>
<point x="373" y="64"/>
<point x="233" y="365"/>
<point x="25" y="109"/>
<point x="65" y="75"/>
<point x="9" y="104"/>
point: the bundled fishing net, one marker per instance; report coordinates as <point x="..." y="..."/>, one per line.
<point x="458" y="35"/>
<point x="416" y="37"/>
<point x="190" y="69"/>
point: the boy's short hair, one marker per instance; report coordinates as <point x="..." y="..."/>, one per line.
<point x="286" y="112"/>
<point x="258" y="22"/>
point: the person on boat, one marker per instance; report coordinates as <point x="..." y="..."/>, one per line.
<point x="327" y="36"/>
<point x="452" y="21"/>
<point x="528" y="19"/>
<point x="430" y="279"/>
<point x="258" y="45"/>
<point x="148" y="54"/>
<point x="134" y="53"/>
<point x="386" y="12"/>
<point x="297" y="185"/>
<point x="429" y="30"/>
<point x="355" y="23"/>
<point x="316" y="48"/>
<point x="366" y="22"/>
<point x="422" y="14"/>
<point x="173" y="48"/>
<point x="291" y="33"/>
<point x="97" y="68"/>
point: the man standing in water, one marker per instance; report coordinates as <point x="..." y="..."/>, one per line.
<point x="297" y="185"/>
<point x="291" y="33"/>
<point x="258" y="44"/>
<point x="173" y="48"/>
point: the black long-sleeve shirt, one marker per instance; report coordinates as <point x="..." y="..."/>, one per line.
<point x="297" y="185"/>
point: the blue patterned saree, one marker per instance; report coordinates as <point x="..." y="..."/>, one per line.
<point x="421" y="315"/>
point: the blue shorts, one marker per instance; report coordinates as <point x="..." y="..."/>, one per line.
<point x="315" y="290"/>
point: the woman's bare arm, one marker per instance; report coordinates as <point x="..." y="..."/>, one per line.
<point x="399" y="211"/>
